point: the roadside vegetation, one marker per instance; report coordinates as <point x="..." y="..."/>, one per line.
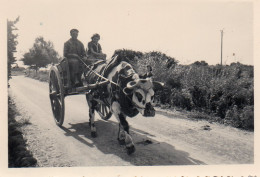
<point x="40" y="75"/>
<point x="18" y="155"/>
<point x="224" y="94"/>
<point x="224" y="91"/>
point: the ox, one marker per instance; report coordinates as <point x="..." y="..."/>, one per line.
<point x="128" y="97"/>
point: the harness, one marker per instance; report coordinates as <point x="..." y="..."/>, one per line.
<point x="118" y="89"/>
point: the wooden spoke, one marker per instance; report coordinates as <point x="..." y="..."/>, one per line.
<point x="106" y="110"/>
<point x="103" y="111"/>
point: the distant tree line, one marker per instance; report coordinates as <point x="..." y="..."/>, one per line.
<point x="40" y="55"/>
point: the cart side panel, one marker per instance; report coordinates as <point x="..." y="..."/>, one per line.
<point x="63" y="68"/>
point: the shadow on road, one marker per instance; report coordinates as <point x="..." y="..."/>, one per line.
<point x="149" y="152"/>
<point x="76" y="134"/>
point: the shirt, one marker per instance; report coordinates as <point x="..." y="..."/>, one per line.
<point x="74" y="47"/>
<point x="96" y="47"/>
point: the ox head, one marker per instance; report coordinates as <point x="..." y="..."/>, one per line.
<point x="143" y="95"/>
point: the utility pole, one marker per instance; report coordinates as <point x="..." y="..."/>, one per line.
<point x="221" y="45"/>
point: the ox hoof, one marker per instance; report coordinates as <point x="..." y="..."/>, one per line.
<point x="93" y="134"/>
<point x="130" y="150"/>
<point x="121" y="142"/>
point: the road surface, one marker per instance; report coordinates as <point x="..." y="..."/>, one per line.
<point x="166" y="139"/>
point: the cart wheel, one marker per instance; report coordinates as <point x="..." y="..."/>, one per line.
<point x="103" y="111"/>
<point x="56" y="96"/>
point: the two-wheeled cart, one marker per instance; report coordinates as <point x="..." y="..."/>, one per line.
<point x="60" y="86"/>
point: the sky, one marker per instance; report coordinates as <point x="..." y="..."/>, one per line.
<point x="189" y="31"/>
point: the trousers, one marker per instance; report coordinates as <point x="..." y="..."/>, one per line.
<point x="75" y="71"/>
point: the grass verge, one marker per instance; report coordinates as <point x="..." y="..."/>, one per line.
<point x="18" y="154"/>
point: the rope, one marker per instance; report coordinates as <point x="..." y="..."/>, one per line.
<point x="97" y="73"/>
<point x="118" y="86"/>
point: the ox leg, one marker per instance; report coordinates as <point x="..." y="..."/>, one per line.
<point x="123" y="132"/>
<point x="92" y="105"/>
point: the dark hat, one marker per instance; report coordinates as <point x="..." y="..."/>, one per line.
<point x="74" y="30"/>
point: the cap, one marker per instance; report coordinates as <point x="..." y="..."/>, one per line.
<point x="74" y="30"/>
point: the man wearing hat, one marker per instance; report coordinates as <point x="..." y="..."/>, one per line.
<point x="73" y="50"/>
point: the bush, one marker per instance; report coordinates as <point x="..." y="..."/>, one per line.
<point x="40" y="75"/>
<point x="174" y="83"/>
<point x="163" y="95"/>
<point x="18" y="155"/>
<point x="226" y="91"/>
<point x="247" y="117"/>
<point x="161" y="64"/>
<point x="181" y="99"/>
<point x="243" y="118"/>
<point x="199" y="96"/>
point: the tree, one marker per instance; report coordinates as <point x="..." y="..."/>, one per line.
<point x="11" y="43"/>
<point x="200" y="63"/>
<point x="40" y="55"/>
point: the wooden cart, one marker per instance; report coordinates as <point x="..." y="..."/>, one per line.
<point x="60" y="87"/>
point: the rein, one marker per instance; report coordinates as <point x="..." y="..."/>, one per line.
<point x="97" y="73"/>
<point x="112" y="82"/>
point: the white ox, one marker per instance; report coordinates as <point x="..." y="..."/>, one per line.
<point x="128" y="97"/>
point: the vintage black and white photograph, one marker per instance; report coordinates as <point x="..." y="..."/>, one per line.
<point x="130" y="84"/>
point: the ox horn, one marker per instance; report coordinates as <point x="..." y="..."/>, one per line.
<point x="158" y="83"/>
<point x="132" y="84"/>
<point x="130" y="87"/>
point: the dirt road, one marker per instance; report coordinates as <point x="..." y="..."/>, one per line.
<point x="162" y="140"/>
